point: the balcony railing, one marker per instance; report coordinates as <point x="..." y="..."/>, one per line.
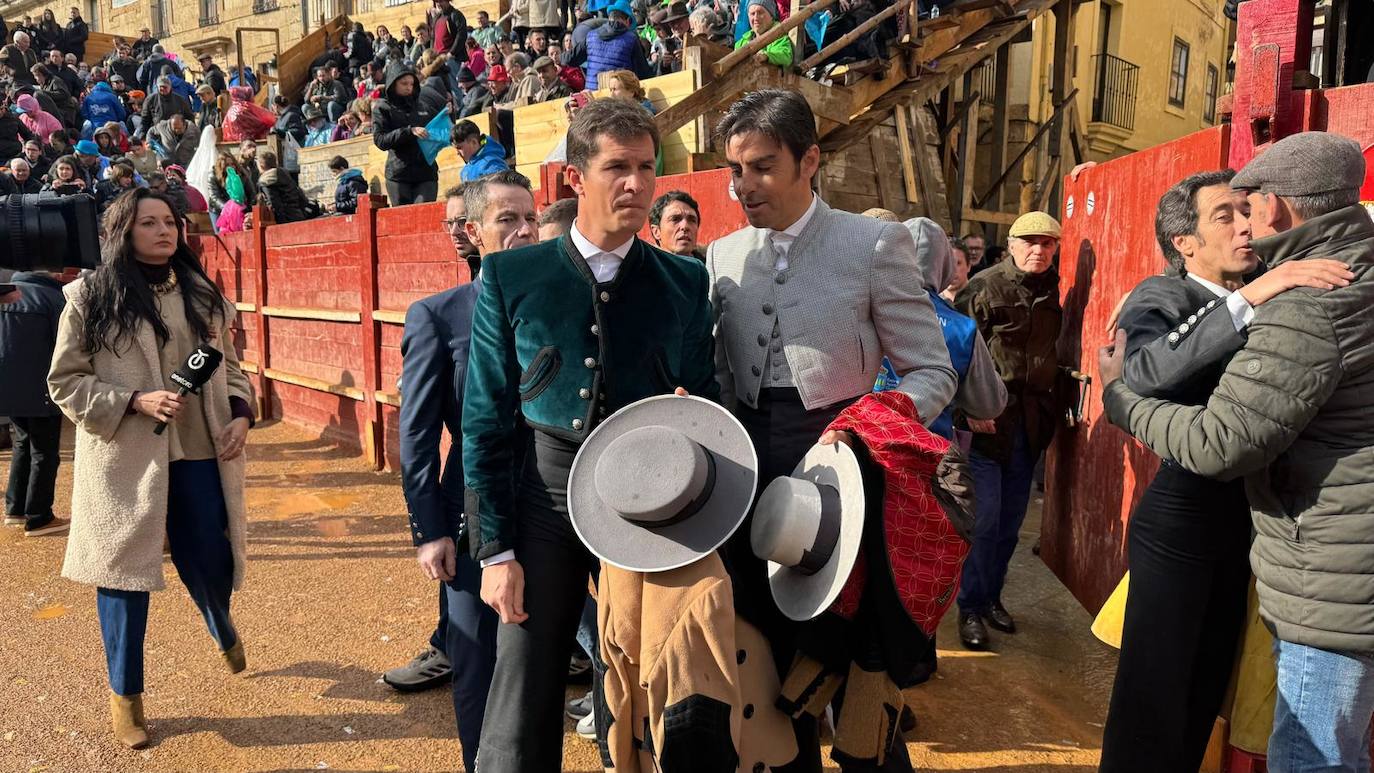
<point x="1114" y="91"/>
<point x="263" y="6"/>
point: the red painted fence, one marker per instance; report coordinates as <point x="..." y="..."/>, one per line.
<point x="322" y="304"/>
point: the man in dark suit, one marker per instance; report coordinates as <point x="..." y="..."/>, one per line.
<point x="434" y="351"/>
<point x="1189" y="535"/>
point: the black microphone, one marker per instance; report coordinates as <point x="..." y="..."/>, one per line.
<point x="193" y="374"/>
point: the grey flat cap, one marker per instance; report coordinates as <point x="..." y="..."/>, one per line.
<point x="1305" y="164"/>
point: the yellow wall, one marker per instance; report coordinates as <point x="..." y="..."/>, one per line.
<point x="1143" y="34"/>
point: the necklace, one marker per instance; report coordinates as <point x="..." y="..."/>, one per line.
<point x="165" y="286"/>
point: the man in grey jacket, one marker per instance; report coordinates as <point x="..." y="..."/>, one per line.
<point x="1291" y="414"/>
<point x="807" y="300"/>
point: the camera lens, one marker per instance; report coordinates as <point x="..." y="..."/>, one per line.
<point x="46" y="232"/>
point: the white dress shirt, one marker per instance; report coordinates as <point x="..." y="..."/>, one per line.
<point x="605" y="265"/>
<point x="1242" y="313"/>
<point x="782" y="240"/>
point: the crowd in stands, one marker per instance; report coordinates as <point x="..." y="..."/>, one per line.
<point x="140" y="114"/>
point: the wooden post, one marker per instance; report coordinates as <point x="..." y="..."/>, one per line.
<point x="1063" y="70"/>
<point x="853" y="35"/>
<point x="261" y="215"/>
<point x="766" y="39"/>
<point x="998" y="151"/>
<point x="373" y="438"/>
<point x="968" y="151"/>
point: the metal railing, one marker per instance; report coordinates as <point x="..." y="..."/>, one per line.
<point x="1114" y="91"/>
<point x="263" y="6"/>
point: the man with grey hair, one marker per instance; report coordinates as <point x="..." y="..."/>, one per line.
<point x="20" y="57"/>
<point x="525" y="83"/>
<point x="1291" y="415"/>
<point x="20" y="179"/>
<point x="162" y="105"/>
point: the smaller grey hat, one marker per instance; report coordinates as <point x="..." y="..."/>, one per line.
<point x="662" y="483"/>
<point x="809" y="527"/>
<point x="1304" y="164"/>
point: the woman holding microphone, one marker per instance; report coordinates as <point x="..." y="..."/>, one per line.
<point x="125" y="329"/>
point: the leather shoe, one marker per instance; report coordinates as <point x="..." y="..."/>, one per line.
<point x="999" y="618"/>
<point x="972" y="632"/>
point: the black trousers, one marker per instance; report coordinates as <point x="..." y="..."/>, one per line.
<point x="33" y="469"/>
<point x="400" y="194"/>
<point x="523" y="731"/>
<point x="1188" y="552"/>
<point x="783" y="430"/>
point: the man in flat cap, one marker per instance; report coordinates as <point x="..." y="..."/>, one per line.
<point x="1292" y="415"/>
<point x="1016" y="306"/>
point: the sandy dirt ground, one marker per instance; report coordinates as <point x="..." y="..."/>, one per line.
<point x="333" y="598"/>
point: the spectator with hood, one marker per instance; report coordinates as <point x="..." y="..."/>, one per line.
<point x="245" y="119"/>
<point x="34" y="117"/>
<point x="616" y="46"/>
<point x="400" y="118"/>
<point x="101" y="106"/>
<point x="350" y="184"/>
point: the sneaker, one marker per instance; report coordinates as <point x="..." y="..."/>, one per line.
<point x="52" y="526"/>
<point x="579" y="669"/>
<point x="429" y="669"/>
<point x="586" y="727"/>
<point x="581" y="707"/>
<point x="15" y="520"/>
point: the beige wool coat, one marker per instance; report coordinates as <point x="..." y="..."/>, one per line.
<point x="119" y="498"/>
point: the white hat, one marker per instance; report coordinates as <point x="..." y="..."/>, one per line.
<point x="661" y="483"/>
<point x="809" y="528"/>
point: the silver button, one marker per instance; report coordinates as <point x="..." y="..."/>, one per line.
<point x="590" y="362"/>
<point x="596" y="330"/>
<point x="1173" y="338"/>
<point x="767" y="308"/>
<point x="1252" y="367"/>
<point x="1192" y="319"/>
<point x="1210" y="304"/>
<point x="777" y="377"/>
<point x="777" y="348"/>
<point x="605" y="297"/>
<point x="584" y="393"/>
<point x="763" y="339"/>
<point x="577" y="424"/>
<point x="755" y="370"/>
<point x="780" y="279"/>
<point x="1201" y="310"/>
<point x="1183" y="328"/>
<point x="777" y="333"/>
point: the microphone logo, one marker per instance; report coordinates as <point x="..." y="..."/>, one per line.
<point x="197" y="360"/>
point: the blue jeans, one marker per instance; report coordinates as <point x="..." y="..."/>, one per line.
<point x="1002" y="492"/>
<point x="471" y="646"/>
<point x="1325" y="702"/>
<point x="197" y="529"/>
<point x="586" y="630"/>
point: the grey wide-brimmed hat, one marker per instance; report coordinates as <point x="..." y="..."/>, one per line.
<point x="809" y="528"/>
<point x="661" y="483"/>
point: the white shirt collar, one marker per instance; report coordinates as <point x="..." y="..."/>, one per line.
<point x="794" y="230"/>
<point x="587" y="249"/>
<point x="1213" y="287"/>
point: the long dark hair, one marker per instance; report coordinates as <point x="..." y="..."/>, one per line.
<point x="117" y="298"/>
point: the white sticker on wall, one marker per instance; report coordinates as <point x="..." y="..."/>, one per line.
<point x="733" y="197"/>
<point x="1092" y="202"/>
<point x="1068" y="207"/>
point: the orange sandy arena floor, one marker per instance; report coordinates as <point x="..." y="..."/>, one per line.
<point x="333" y="598"/>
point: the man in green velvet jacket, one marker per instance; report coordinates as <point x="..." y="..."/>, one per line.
<point x="564" y="334"/>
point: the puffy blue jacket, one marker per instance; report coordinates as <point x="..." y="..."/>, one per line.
<point x="960" y="334"/>
<point x="491" y="158"/>
<point x="613" y="47"/>
<point x="102" y="105"/>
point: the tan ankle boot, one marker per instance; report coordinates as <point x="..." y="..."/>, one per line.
<point x="126" y="716"/>
<point x="234" y="657"/>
